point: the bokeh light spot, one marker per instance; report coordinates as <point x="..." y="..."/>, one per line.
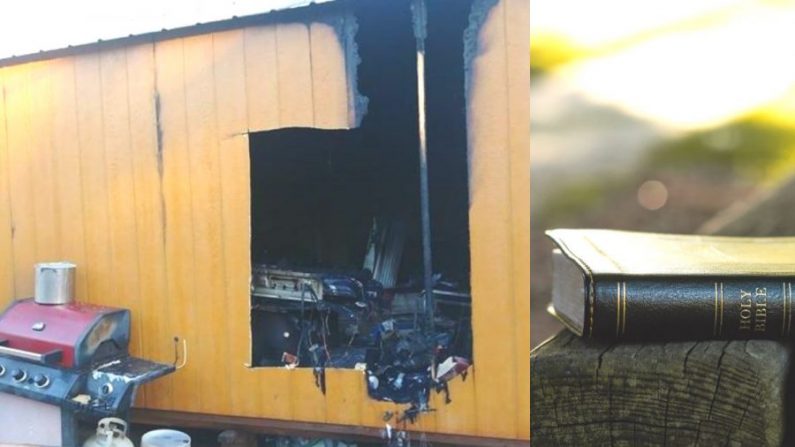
<point x="652" y="195"/>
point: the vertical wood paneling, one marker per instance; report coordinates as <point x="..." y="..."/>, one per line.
<point x="459" y="416"/>
<point x="121" y="191"/>
<point x="46" y="209"/>
<point x="6" y="242"/>
<point x="180" y="256"/>
<point x="209" y="268"/>
<point x="150" y="219"/>
<point x="90" y="128"/>
<point x="21" y="174"/>
<point x="495" y="334"/>
<point x="517" y="25"/>
<point x="307" y="401"/>
<point x="296" y="104"/>
<point x="372" y="411"/>
<point x="273" y="385"/>
<point x="229" y="54"/>
<point x="262" y="78"/>
<point x="66" y="153"/>
<point x="328" y="71"/>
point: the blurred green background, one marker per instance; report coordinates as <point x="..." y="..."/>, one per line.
<point x="654" y="116"/>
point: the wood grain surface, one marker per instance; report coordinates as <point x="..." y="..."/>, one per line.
<point x="686" y="393"/>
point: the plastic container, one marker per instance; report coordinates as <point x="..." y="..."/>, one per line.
<point x="165" y="438"/>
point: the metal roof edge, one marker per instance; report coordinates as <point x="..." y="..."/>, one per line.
<point x="297" y="13"/>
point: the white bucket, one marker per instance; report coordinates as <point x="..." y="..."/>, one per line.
<point x="165" y="438"/>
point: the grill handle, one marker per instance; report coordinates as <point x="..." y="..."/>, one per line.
<point x="50" y="357"/>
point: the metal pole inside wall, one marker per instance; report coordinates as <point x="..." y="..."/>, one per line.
<point x="419" y="14"/>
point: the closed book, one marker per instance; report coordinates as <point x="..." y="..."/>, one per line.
<point x="646" y="286"/>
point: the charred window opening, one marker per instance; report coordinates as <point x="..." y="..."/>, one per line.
<point x="336" y="235"/>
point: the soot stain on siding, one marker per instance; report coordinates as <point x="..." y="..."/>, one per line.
<point x="159" y="149"/>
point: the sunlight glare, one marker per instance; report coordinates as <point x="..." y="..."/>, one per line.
<point x="694" y="77"/>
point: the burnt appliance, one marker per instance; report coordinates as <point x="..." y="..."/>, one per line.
<point x="307" y="317"/>
<point x="69" y="358"/>
<point x="313" y="286"/>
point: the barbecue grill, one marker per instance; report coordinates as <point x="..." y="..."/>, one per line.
<point x="63" y="362"/>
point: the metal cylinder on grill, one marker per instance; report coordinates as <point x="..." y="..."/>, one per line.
<point x="55" y="282"/>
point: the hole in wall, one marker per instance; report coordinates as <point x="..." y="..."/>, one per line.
<point x="335" y="220"/>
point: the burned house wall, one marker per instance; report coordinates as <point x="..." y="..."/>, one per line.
<point x="133" y="162"/>
<point x="498" y="125"/>
<point x="323" y="202"/>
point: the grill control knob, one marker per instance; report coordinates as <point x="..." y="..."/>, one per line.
<point x="106" y="389"/>
<point x="41" y="381"/>
<point x="19" y="375"/>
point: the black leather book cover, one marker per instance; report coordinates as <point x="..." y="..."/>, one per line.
<point x="648" y="286"/>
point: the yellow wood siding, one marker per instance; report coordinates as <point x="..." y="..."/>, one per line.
<point x="498" y="121"/>
<point x="133" y="162"/>
<point x="6" y="243"/>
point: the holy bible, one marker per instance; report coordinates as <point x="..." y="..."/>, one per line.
<point x="646" y="286"/>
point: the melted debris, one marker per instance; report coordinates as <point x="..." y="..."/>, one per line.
<point x="322" y="319"/>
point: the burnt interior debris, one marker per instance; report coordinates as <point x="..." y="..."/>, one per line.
<point x="335" y="229"/>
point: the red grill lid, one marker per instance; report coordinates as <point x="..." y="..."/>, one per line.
<point x="80" y="330"/>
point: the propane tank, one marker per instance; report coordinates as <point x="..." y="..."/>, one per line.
<point x="111" y="432"/>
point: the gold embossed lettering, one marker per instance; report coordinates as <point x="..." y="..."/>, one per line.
<point x="746" y="303"/>
<point x="753" y="310"/>
<point x="760" y="309"/>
